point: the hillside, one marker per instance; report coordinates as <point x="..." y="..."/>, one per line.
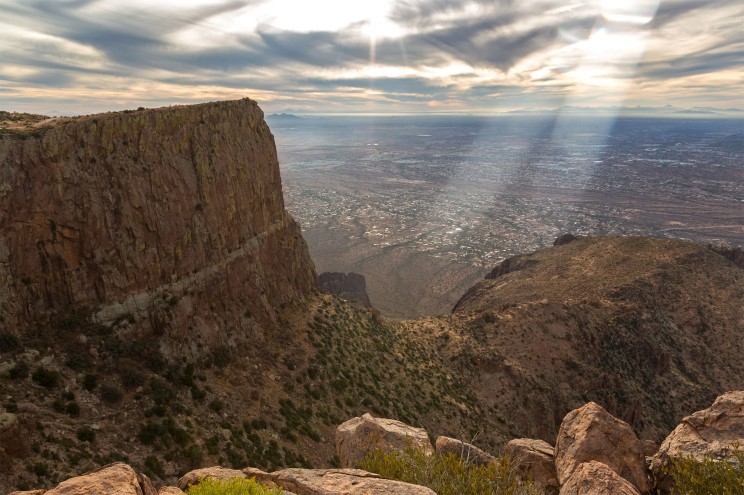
<point x="159" y="307"/>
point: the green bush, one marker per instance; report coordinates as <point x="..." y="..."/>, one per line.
<point x="89" y="382"/>
<point x="111" y="394"/>
<point x="46" y="378"/>
<point x="86" y="434"/>
<point x="9" y="342"/>
<point x="19" y="371"/>
<point x="446" y="475"/>
<point x="709" y="476"/>
<point x="235" y="486"/>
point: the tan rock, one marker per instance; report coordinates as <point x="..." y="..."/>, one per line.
<point x="113" y="479"/>
<point x="14" y="439"/>
<point x="146" y="485"/>
<point x="534" y="460"/>
<point x="470" y="454"/>
<point x="170" y="490"/>
<point x="29" y="492"/>
<point x="216" y="472"/>
<point x="358" y="436"/>
<point x="590" y="433"/>
<point x="338" y="482"/>
<point x="715" y="431"/>
<point x="596" y="478"/>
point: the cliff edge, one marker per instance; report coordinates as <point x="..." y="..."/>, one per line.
<point x="161" y="220"/>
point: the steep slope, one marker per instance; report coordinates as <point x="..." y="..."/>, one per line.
<point x="166" y="218"/>
<point x="648" y="328"/>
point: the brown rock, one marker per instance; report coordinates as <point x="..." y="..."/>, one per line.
<point x="649" y="447"/>
<point x="29" y="492"/>
<point x="173" y="215"/>
<point x="338" y="482"/>
<point x="534" y="460"/>
<point x="14" y="440"/>
<point x="590" y="433"/>
<point x="113" y="479"/>
<point x="596" y="478"/>
<point x="715" y="431"/>
<point x="358" y="436"/>
<point x="470" y="454"/>
<point x="216" y="472"/>
<point x="170" y="490"/>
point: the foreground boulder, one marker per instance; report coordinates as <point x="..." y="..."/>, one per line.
<point x="590" y="433"/>
<point x="336" y="482"/>
<point x="469" y="454"/>
<point x="535" y="461"/>
<point x="716" y="431"/>
<point x="596" y="478"/>
<point x="215" y="472"/>
<point x="113" y="479"/>
<point x="358" y="436"/>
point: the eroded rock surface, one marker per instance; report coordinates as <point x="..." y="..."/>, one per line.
<point x="590" y="433"/>
<point x="114" y="479"/>
<point x="337" y="482"/>
<point x="358" y="436"/>
<point x="468" y="453"/>
<point x="596" y="478"/>
<point x="535" y="460"/>
<point x="174" y="216"/>
<point x="716" y="431"/>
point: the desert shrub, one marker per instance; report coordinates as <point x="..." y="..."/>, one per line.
<point x="132" y="377"/>
<point x="217" y="405"/>
<point x="221" y="356"/>
<point x="46" y="378"/>
<point x="73" y="409"/>
<point x="89" y="382"/>
<point x="110" y="394"/>
<point x="447" y="475"/>
<point x="692" y="477"/>
<point x="9" y="342"/>
<point x="154" y="465"/>
<point x="86" y="434"/>
<point x="235" y="486"/>
<point x="19" y="371"/>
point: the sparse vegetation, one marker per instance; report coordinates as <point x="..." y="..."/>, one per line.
<point x="447" y="475"/>
<point x="709" y="476"/>
<point x="235" y="486"/>
<point x="45" y="377"/>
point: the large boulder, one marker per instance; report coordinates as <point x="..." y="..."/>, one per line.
<point x="336" y="482"/>
<point x="596" y="478"/>
<point x="535" y="461"/>
<point x="470" y="454"/>
<point x="715" y="431"/>
<point x="590" y="433"/>
<point x="358" y="436"/>
<point x="215" y="472"/>
<point x="113" y="479"/>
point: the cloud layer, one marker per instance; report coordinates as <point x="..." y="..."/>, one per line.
<point x="79" y="56"/>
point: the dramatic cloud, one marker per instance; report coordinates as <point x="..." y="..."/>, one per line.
<point x="79" y="56"/>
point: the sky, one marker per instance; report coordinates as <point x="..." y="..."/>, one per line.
<point x="378" y="56"/>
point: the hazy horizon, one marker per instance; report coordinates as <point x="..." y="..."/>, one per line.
<point x="72" y="57"/>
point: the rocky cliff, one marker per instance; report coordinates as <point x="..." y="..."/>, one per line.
<point x="164" y="220"/>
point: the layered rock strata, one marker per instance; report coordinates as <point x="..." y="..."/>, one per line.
<point x="165" y="218"/>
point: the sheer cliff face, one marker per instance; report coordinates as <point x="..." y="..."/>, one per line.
<point x="170" y="218"/>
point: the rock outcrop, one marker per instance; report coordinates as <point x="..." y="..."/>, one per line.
<point x="215" y="472"/>
<point x="358" y="436"/>
<point x="114" y="479"/>
<point x="171" y="218"/>
<point x="716" y="432"/>
<point x="337" y="482"/>
<point x="590" y="433"/>
<point x="535" y="461"/>
<point x="350" y="286"/>
<point x="596" y="478"/>
<point x="469" y="454"/>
